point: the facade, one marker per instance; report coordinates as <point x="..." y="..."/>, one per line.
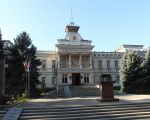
<point x="74" y="63"/>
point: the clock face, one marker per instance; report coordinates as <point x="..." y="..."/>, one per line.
<point x="74" y="37"/>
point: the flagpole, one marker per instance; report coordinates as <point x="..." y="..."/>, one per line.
<point x="28" y="83"/>
<point x="27" y="71"/>
<point x="26" y="90"/>
<point x="26" y="65"/>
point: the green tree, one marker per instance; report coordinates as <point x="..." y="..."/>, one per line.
<point x="130" y="67"/>
<point x="15" y="74"/>
<point x="145" y="86"/>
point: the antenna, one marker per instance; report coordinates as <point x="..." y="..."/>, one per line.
<point x="72" y="22"/>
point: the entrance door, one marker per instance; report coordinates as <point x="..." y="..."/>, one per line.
<point x="76" y="79"/>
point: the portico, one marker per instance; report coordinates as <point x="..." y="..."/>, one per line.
<point x="74" y="67"/>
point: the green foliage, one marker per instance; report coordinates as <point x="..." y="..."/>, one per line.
<point x="146" y="72"/>
<point x="15" y="73"/>
<point x="146" y="62"/>
<point x="18" y="99"/>
<point x="130" y="68"/>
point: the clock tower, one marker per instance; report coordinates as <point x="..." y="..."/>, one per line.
<point x="72" y="33"/>
<point x="73" y="42"/>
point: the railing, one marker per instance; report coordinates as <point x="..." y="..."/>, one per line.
<point x="106" y="69"/>
<point x="107" y="54"/>
<point x="74" y="67"/>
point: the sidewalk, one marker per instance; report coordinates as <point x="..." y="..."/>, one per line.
<point x="81" y="101"/>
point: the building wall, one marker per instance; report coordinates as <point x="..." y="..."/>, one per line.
<point x="98" y="70"/>
<point x="94" y="73"/>
<point x="72" y="49"/>
<point x="46" y="70"/>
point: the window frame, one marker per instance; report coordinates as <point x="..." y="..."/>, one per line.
<point x="86" y="78"/>
<point x="64" y="79"/>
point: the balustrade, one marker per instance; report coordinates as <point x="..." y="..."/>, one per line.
<point x="74" y="61"/>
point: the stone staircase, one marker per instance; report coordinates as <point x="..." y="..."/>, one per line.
<point x="82" y="91"/>
<point x="134" y="111"/>
<point x="2" y="113"/>
<point x="3" y="110"/>
<point x="56" y="93"/>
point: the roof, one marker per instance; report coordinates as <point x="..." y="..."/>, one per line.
<point x="125" y="47"/>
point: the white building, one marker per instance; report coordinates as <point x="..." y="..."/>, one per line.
<point x="74" y="62"/>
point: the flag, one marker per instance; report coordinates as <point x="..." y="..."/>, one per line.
<point x="26" y="64"/>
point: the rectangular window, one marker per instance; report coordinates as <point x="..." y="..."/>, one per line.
<point x="86" y="78"/>
<point x="64" y="62"/>
<point x="116" y="64"/>
<point x="83" y="64"/>
<point x="108" y="64"/>
<point x="53" y="80"/>
<point x="100" y="64"/>
<point x="53" y="63"/>
<point x="64" y="79"/>
<point x="43" y="64"/>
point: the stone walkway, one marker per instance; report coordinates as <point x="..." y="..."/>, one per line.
<point x="79" y="101"/>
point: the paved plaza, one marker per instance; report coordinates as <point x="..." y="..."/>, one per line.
<point x="79" y="101"/>
<point x="129" y="107"/>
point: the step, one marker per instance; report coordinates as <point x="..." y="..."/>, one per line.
<point x="85" y="111"/>
<point x="3" y="110"/>
<point x="13" y="113"/>
<point x="93" y="116"/>
<point x="119" y="111"/>
<point x="86" y="107"/>
<point x="84" y="91"/>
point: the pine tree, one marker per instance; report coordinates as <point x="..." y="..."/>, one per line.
<point x="16" y="81"/>
<point x="147" y="61"/>
<point x="129" y="71"/>
<point x="146" y="72"/>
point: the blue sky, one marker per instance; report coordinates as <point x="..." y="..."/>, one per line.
<point x="108" y="23"/>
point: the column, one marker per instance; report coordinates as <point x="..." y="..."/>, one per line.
<point x="91" y="79"/>
<point x="80" y="61"/>
<point x="90" y="61"/>
<point x="58" y="61"/>
<point x="69" y="61"/>
<point x="59" y="79"/>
